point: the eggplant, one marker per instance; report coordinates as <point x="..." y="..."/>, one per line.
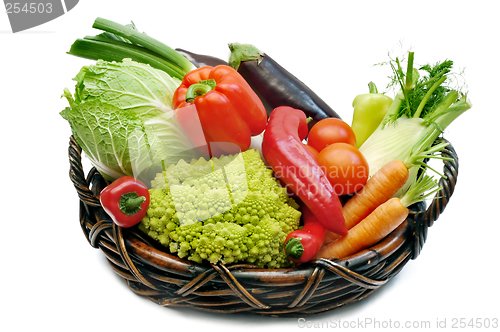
<point x="275" y="85"/>
<point x="200" y="60"/>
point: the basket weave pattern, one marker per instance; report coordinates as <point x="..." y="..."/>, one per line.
<point x="315" y="287"/>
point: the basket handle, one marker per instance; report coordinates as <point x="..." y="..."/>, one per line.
<point x="424" y="219"/>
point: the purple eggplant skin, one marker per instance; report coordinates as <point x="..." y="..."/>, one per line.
<point x="275" y="86"/>
<point x="200" y="60"/>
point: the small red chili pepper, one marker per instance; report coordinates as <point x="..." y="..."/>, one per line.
<point x="302" y="245"/>
<point x="227" y="108"/>
<point x="126" y="201"/>
<point x="295" y="165"/>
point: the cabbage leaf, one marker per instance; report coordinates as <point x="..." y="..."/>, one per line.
<point x="121" y="116"/>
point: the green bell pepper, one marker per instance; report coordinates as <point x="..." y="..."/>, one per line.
<point x="369" y="110"/>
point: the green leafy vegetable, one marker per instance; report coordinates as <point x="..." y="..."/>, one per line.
<point x="128" y="85"/>
<point x="121" y="115"/>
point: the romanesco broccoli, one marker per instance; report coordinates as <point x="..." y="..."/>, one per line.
<point x="229" y="209"/>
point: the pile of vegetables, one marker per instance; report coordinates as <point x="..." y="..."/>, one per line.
<point x="240" y="161"/>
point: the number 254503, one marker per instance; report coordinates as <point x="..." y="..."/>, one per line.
<point x="28" y="8"/>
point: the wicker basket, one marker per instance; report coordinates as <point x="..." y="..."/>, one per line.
<point x="311" y="288"/>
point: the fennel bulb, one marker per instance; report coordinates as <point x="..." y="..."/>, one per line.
<point x="420" y="112"/>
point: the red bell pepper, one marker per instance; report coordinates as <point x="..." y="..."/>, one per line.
<point x="126" y="201"/>
<point x="229" y="111"/>
<point x="303" y="244"/>
<point x="295" y="165"/>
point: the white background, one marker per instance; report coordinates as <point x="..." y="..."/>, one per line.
<point x="52" y="280"/>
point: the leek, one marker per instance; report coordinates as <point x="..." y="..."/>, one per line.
<point x="420" y="112"/>
<point x="125" y="41"/>
<point x="112" y="50"/>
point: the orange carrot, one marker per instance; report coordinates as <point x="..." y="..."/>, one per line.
<point x="386" y="182"/>
<point x="380" y="223"/>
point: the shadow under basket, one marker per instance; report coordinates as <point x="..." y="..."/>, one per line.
<point x="315" y="287"/>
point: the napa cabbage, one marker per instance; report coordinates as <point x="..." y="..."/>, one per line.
<point x="121" y="116"/>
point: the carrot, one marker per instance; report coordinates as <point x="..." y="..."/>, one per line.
<point x="384" y="184"/>
<point x="383" y="220"/>
<point x="380" y="223"/>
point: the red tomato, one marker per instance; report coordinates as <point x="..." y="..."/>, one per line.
<point x="329" y="131"/>
<point x="314" y="152"/>
<point x="345" y="167"/>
